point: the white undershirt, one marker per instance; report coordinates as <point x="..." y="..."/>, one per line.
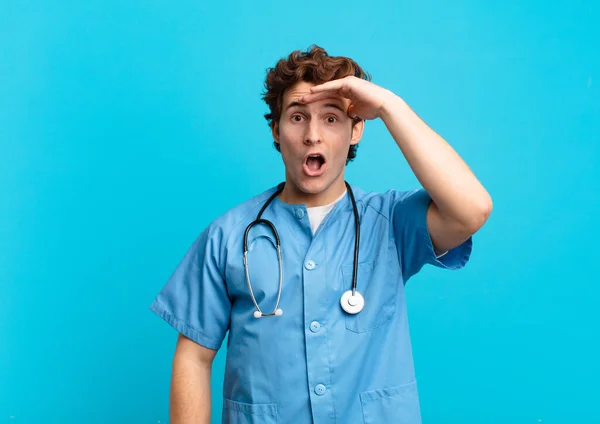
<point x="317" y="214"/>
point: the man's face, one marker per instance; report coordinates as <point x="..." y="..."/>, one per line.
<point x="314" y="139"/>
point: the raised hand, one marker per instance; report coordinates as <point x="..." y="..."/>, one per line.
<point x="367" y="100"/>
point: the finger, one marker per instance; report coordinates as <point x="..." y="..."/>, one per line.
<point x="335" y="85"/>
<point x="308" y="98"/>
<point x="352" y="113"/>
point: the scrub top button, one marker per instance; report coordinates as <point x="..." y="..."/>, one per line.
<point x="315" y="327"/>
<point x="310" y="264"/>
<point x="299" y="213"/>
<point x="320" y="390"/>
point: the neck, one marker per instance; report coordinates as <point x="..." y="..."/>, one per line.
<point x="293" y="195"/>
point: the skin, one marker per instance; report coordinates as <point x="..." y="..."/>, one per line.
<point x="321" y="126"/>
<point x="321" y="121"/>
<point x="190" y="397"/>
<point x="460" y="204"/>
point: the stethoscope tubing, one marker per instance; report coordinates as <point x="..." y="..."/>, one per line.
<point x="259" y="220"/>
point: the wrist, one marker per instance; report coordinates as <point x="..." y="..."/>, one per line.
<point x="392" y="105"/>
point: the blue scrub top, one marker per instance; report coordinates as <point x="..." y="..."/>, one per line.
<point x="315" y="363"/>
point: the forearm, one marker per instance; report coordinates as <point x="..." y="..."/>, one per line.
<point x="190" y="392"/>
<point x="443" y="174"/>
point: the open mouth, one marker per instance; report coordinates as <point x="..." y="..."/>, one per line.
<point x="314" y="164"/>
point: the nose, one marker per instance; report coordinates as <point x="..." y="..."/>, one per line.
<point x="312" y="135"/>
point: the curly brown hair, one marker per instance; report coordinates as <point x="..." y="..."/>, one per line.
<point x="314" y="66"/>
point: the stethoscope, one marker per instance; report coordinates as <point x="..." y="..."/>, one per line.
<point x="351" y="301"/>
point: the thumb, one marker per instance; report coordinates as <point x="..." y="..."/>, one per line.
<point x="352" y="112"/>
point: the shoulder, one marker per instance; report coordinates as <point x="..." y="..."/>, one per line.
<point x="221" y="227"/>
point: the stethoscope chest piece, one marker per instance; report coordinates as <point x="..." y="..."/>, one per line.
<point x="352" y="303"/>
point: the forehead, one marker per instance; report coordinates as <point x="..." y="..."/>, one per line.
<point x="301" y="88"/>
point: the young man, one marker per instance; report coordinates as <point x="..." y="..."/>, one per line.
<point x="308" y="342"/>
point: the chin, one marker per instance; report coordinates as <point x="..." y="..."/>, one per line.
<point x="313" y="185"/>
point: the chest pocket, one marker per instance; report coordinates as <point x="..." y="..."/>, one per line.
<point x="379" y="289"/>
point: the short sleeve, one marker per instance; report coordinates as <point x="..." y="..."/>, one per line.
<point x="195" y="301"/>
<point x="413" y="241"/>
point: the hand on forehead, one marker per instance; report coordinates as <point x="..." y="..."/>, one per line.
<point x="298" y="95"/>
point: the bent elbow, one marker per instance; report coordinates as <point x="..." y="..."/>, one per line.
<point x="480" y="214"/>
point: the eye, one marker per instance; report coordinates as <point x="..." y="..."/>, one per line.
<point x="297" y="118"/>
<point x="331" y="119"/>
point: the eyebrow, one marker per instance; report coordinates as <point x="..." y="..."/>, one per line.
<point x="333" y="105"/>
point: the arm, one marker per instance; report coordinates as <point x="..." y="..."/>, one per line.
<point x="190" y="383"/>
<point x="460" y="203"/>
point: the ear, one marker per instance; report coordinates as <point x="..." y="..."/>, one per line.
<point x="275" y="131"/>
<point x="357" y="132"/>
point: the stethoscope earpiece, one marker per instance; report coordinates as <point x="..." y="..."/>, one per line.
<point x="278" y="312"/>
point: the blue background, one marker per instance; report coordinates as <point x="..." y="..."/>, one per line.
<point x="127" y="126"/>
